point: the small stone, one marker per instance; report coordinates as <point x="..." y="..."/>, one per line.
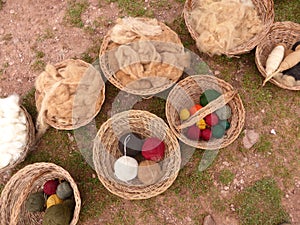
<point x="250" y="138"/>
<point x="242" y="181"/>
<point x="217" y="72"/>
<point x="226" y="163"/>
<point x="273" y="132"/>
<point x="287" y="196"/>
<point x="256" y="165"/>
<point x="11" y="11"/>
<point x="93" y="175"/>
<point x="226" y="188"/>
<point x="209" y="220"/>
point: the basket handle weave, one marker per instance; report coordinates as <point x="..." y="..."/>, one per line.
<point x="208" y="109"/>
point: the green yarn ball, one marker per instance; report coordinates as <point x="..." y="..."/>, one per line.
<point x="35" y="202"/>
<point x="218" y="131"/>
<point x="60" y="214"/>
<point x="208" y="96"/>
<point x="64" y="190"/>
<point x="225" y="124"/>
<point x="224" y="113"/>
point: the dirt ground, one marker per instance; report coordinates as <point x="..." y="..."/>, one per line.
<point x="31" y="26"/>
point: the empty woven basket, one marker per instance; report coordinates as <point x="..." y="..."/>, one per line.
<point x="265" y="10"/>
<point x="186" y="93"/>
<point x="287" y="33"/>
<point x="113" y="73"/>
<point x="106" y="152"/>
<point x="28" y="180"/>
<point x="29" y="141"/>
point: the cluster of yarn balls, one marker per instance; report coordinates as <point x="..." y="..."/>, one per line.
<point x="57" y="198"/>
<point x="141" y="158"/>
<point x="213" y="125"/>
<point x="13" y="130"/>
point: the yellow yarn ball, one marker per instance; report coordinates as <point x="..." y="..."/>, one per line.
<point x="53" y="200"/>
<point x="201" y="124"/>
<point x="184" y="114"/>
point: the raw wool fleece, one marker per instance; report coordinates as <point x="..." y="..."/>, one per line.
<point x="224" y="25"/>
<point x="143" y="54"/>
<point x="67" y="94"/>
<point x="13" y="130"/>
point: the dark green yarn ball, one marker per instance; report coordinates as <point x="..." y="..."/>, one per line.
<point x="218" y="131"/>
<point x="64" y="190"/>
<point x="225" y="124"/>
<point x="35" y="202"/>
<point x="208" y="96"/>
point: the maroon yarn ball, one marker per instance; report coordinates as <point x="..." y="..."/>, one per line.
<point x="50" y="187"/>
<point x="153" y="149"/>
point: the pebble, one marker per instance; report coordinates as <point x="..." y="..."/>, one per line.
<point x="217" y="72"/>
<point x="93" y="175"/>
<point x="209" y="220"/>
<point x="256" y="165"/>
<point x="11" y="11"/>
<point x="226" y="188"/>
<point x="226" y="163"/>
<point x="250" y="138"/>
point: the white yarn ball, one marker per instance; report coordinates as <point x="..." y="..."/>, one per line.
<point x="126" y="168"/>
<point x="5" y="159"/>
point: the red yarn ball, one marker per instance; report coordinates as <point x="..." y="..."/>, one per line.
<point x="211" y="119"/>
<point x="206" y="134"/>
<point x="50" y="187"/>
<point x="153" y="149"/>
<point x="193" y="132"/>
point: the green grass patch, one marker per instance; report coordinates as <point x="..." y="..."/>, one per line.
<point x="286" y="10"/>
<point x="133" y="8"/>
<point x="226" y="176"/>
<point x="74" y="12"/>
<point x="260" y="204"/>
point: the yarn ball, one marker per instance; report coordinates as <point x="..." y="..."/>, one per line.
<point x="211" y="119"/>
<point x="153" y="149"/>
<point x="295" y="45"/>
<point x="294" y="71"/>
<point x="133" y="146"/>
<point x="64" y="190"/>
<point x="224" y="113"/>
<point x="60" y="214"/>
<point x="208" y="96"/>
<point x="218" y="131"/>
<point x="35" y="202"/>
<point x="193" y="132"/>
<point x="184" y="114"/>
<point x="53" y="200"/>
<point x="206" y="134"/>
<point x="126" y="168"/>
<point x="201" y="124"/>
<point x="149" y="172"/>
<point x="195" y="108"/>
<point x="225" y="124"/>
<point x="50" y="187"/>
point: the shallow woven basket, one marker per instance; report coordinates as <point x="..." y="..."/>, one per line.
<point x="110" y="74"/>
<point x="28" y="180"/>
<point x="29" y="142"/>
<point x="287" y="33"/>
<point x="186" y="93"/>
<point x="105" y="153"/>
<point x="98" y="104"/>
<point x="265" y="10"/>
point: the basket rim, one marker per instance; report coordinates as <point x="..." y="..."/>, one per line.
<point x="110" y="75"/>
<point x="239" y="50"/>
<point x="45" y="168"/>
<point x="216" y="144"/>
<point x="146" y="191"/>
<point x="99" y="103"/>
<point x="287" y="26"/>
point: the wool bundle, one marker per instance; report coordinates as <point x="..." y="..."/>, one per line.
<point x="224" y="25"/>
<point x="13" y="130"/>
<point x="145" y="55"/>
<point x="68" y="94"/>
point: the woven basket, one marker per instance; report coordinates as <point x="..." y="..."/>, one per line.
<point x="39" y="97"/>
<point x="28" y="180"/>
<point x="265" y="10"/>
<point x="281" y="32"/>
<point x="29" y="142"/>
<point x="111" y="76"/>
<point x="105" y="153"/>
<point x="186" y="93"/>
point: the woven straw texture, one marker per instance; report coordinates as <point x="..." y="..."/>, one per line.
<point x="78" y="86"/>
<point x="186" y="93"/>
<point x="111" y="76"/>
<point x="29" y="142"/>
<point x="27" y="180"/>
<point x="106" y="152"/>
<point x="280" y="33"/>
<point x="265" y="10"/>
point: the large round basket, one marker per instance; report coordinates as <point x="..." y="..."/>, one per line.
<point x="110" y="72"/>
<point x="287" y="33"/>
<point x="30" y="139"/>
<point x="265" y="10"/>
<point x="186" y="93"/>
<point x="28" y="180"/>
<point x="106" y="152"/>
<point x="90" y="78"/>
